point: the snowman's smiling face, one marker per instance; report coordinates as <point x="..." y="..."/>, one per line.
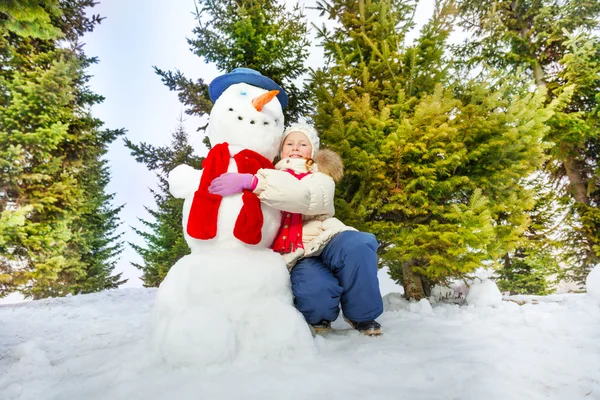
<point x="235" y="120"/>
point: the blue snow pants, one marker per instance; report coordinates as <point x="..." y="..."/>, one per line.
<point x="345" y="273"/>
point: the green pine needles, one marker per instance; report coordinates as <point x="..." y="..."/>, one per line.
<point x="57" y="225"/>
<point x="163" y="236"/>
<point x="435" y="163"/>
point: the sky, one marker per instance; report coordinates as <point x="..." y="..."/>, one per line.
<point x="135" y="36"/>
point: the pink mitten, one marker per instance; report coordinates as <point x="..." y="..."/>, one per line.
<point x="232" y="183"/>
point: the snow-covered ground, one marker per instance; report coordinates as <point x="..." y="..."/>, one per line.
<point x="94" y="347"/>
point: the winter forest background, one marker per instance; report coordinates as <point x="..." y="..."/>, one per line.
<point x="469" y="132"/>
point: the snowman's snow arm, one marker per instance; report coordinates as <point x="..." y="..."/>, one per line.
<point x="184" y="181"/>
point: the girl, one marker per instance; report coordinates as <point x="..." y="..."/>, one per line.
<point x="331" y="263"/>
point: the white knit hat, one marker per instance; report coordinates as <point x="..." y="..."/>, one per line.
<point x="309" y="131"/>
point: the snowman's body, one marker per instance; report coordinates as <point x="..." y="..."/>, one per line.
<point x="228" y="300"/>
<point x="228" y="211"/>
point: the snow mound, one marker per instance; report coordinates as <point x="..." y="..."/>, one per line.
<point x="592" y="283"/>
<point x="395" y="302"/>
<point x="484" y="294"/>
<point x="218" y="307"/>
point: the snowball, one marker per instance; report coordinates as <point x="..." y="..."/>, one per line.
<point x="183" y="181"/>
<point x="484" y="293"/>
<point x="219" y="306"/>
<point x="421" y="307"/>
<point x="592" y="283"/>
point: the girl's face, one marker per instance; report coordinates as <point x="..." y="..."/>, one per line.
<point x="296" y="145"/>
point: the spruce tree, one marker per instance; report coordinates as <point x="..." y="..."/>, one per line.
<point x="56" y="223"/>
<point x="258" y="34"/>
<point x="29" y="18"/>
<point x="557" y="44"/>
<point x="97" y="239"/>
<point x="164" y="239"/>
<point x="434" y="162"/>
<point x="533" y="267"/>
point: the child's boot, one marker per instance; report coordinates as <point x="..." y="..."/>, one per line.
<point x="369" y="328"/>
<point x="321" y="327"/>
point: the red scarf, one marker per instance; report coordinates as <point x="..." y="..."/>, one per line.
<point x="202" y="221"/>
<point x="289" y="237"/>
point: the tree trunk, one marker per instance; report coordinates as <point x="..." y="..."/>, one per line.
<point x="507" y="271"/>
<point x="538" y="74"/>
<point x="413" y="284"/>
<point x="576" y="181"/>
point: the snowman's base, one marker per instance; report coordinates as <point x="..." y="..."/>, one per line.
<point x="219" y="307"/>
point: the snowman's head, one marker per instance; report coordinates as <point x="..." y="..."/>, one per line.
<point x="247" y="112"/>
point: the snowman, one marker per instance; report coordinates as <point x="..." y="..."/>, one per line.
<point x="230" y="299"/>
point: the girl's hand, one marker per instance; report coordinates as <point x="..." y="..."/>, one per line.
<point x="232" y="183"/>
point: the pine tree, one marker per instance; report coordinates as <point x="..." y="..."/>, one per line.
<point x="258" y="34"/>
<point x="164" y="237"/>
<point x="56" y="223"/>
<point x="533" y="267"/>
<point x="557" y="44"/>
<point x="97" y="238"/>
<point x="434" y="162"/>
<point x="28" y="18"/>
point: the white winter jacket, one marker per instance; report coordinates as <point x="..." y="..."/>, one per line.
<point x="311" y="196"/>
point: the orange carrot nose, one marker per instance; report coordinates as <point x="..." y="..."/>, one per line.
<point x="263" y="99"/>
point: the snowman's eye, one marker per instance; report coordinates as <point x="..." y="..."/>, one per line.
<point x="243" y="93"/>
<point x="230" y="109"/>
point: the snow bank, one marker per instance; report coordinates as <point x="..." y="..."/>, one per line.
<point x="421" y="307"/>
<point x="484" y="294"/>
<point x="94" y="348"/>
<point x="395" y="302"/>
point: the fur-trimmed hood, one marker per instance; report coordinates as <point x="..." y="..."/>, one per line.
<point x="329" y="162"/>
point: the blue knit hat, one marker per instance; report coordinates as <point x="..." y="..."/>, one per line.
<point x="245" y="75"/>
